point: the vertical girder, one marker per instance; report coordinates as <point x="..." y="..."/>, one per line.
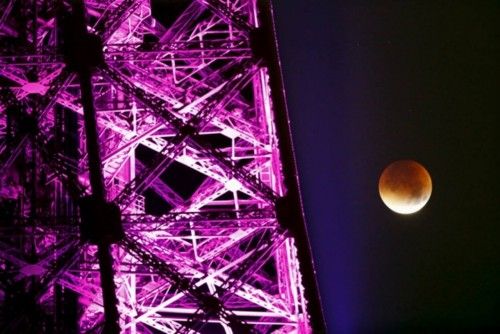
<point x="186" y="122"/>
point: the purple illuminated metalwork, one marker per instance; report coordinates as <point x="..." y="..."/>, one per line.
<point x="193" y="152"/>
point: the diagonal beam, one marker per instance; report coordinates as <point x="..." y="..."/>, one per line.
<point x="204" y="279"/>
<point x="52" y="158"/>
<point x="93" y="293"/>
<point x="236" y="278"/>
<point x="229" y="15"/>
<point x="113" y="18"/>
<point x="6" y="11"/>
<point x="52" y="267"/>
<point x="209" y="304"/>
<point x="185" y="130"/>
<point x="191" y="13"/>
<point x="162" y="189"/>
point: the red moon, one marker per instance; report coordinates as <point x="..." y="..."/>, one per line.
<point x="405" y="186"/>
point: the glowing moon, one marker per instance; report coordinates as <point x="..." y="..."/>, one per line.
<point x="405" y="186"/>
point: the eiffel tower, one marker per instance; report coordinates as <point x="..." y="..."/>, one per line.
<point x="148" y="180"/>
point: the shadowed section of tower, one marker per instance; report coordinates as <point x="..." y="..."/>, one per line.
<point x="151" y="186"/>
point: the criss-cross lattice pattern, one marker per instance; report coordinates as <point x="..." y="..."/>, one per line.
<point x="189" y="154"/>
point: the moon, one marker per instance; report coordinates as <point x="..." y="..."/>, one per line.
<point x="405" y="186"/>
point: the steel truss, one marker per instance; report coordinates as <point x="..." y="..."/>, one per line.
<point x="190" y="154"/>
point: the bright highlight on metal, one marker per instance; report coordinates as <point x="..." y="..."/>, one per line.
<point x="174" y="201"/>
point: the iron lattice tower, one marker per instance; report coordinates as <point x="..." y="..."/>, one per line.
<point x="148" y="182"/>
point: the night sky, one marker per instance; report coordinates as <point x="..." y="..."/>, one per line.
<point x="370" y="82"/>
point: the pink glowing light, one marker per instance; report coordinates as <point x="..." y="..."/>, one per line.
<point x="189" y="154"/>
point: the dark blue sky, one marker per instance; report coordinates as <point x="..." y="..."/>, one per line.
<point x="370" y="82"/>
